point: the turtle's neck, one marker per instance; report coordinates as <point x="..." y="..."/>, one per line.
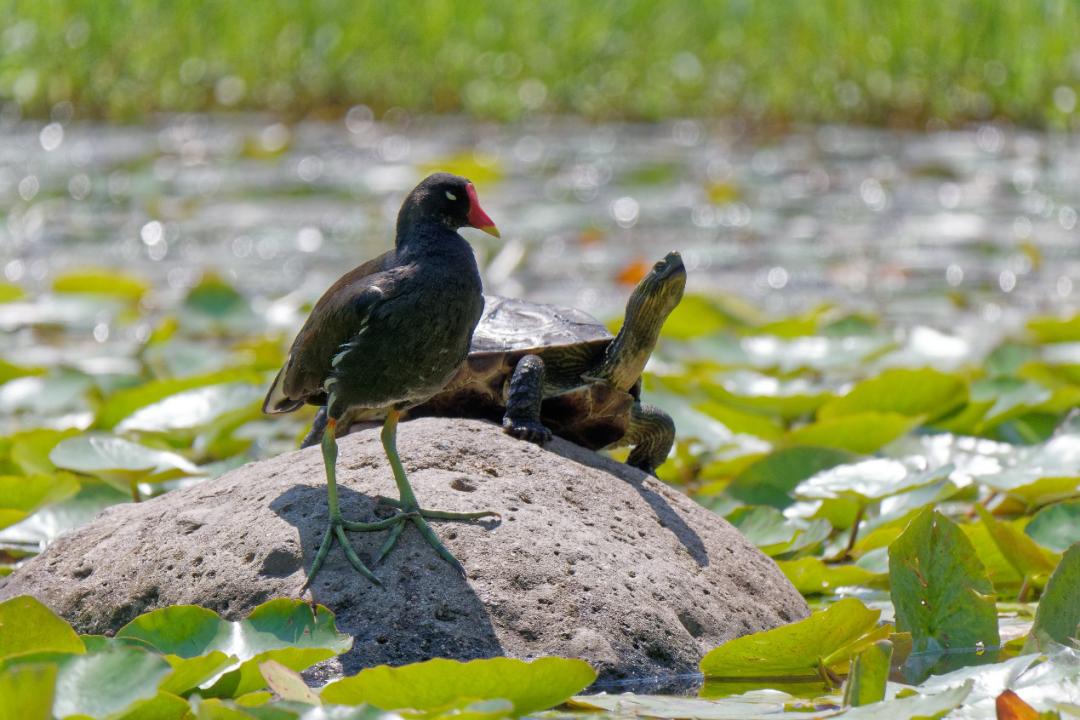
<point x="625" y="358"/>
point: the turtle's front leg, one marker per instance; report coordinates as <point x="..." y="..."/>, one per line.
<point x="522" y="418"/>
<point x="652" y="433"/>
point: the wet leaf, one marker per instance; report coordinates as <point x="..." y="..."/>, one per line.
<point x="1011" y="706"/>
<point x="101" y="281"/>
<point x="26" y="692"/>
<point x="795" y="650"/>
<point x="97" y="454"/>
<point x="1056" y="526"/>
<point x="123" y="403"/>
<point x="859" y="433"/>
<point x="913" y="707"/>
<point x="771" y="480"/>
<point x="1055" y="330"/>
<point x="10" y="371"/>
<point x="530" y="686"/>
<point x="27" y="627"/>
<point x="1027" y="558"/>
<point x="287" y="683"/>
<point x="869" y="675"/>
<point x="737" y="707"/>
<point x="110" y="681"/>
<point x="812" y="576"/>
<point x="192" y="409"/>
<point x="868" y="480"/>
<point x="921" y="393"/>
<point x="281" y="630"/>
<point x="1058" y="616"/>
<point x="939" y="588"/>
<point x="22" y="495"/>
<point x="30" y="449"/>
<point x="9" y="292"/>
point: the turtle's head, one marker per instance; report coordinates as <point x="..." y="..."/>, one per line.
<point x="649" y="306"/>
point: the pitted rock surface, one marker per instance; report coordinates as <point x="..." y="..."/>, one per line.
<point x="591" y="558"/>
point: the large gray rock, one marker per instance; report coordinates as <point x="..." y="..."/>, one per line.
<point x="591" y="559"/>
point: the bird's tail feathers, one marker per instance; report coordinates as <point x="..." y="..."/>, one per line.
<point x="276" y="400"/>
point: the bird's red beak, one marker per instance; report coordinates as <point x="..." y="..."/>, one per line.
<point x="477" y="217"/>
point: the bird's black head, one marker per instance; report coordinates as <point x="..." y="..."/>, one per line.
<point x="449" y="200"/>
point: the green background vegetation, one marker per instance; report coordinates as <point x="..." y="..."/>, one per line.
<point x="901" y="63"/>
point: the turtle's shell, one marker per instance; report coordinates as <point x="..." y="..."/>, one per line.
<point x="570" y="342"/>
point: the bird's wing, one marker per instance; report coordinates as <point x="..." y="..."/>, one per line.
<point x="338" y="316"/>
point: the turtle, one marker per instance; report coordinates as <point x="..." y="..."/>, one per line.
<point x="544" y="369"/>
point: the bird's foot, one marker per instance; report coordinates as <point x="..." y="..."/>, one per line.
<point x="336" y="531"/>
<point x="531" y="430"/>
<point x="418" y="517"/>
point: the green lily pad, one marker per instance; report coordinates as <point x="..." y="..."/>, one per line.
<point x="106" y="455"/>
<point x="923" y="393"/>
<point x="869" y="675"/>
<point x="1058" y="616"/>
<point x="1028" y="559"/>
<point x="192" y="409"/>
<point x="10" y="371"/>
<point x="860" y="432"/>
<point x="26" y="692"/>
<point x="757" y="392"/>
<point x="123" y="403"/>
<point x="1055" y="330"/>
<point x="827" y="637"/>
<point x="43" y="526"/>
<point x="770" y="480"/>
<point x="287" y="683"/>
<point x="110" y="681"/>
<point x="738" y="707"/>
<point x="912" y="707"/>
<point x="868" y="480"/>
<point x="30" y="449"/>
<point x="281" y="630"/>
<point x="812" y="576"/>
<point x="101" y="281"/>
<point x="940" y="589"/>
<point x="10" y="292"/>
<point x="27" y="627"/>
<point x="1056" y="526"/>
<point x="22" y="495"/>
<point x="530" y="686"/>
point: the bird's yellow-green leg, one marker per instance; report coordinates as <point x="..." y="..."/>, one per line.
<point x="338" y="526"/>
<point x="409" y="507"/>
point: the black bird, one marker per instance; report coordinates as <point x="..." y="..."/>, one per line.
<point x="389" y="335"/>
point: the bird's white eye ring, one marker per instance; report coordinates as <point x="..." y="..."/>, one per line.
<point x="450" y="195"/>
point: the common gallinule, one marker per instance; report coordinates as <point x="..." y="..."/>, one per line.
<point x="389" y="335"/>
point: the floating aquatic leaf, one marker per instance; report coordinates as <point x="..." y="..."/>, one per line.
<point x="10" y="371"/>
<point x="530" y="686"/>
<point x="770" y="480"/>
<point x="860" y="433"/>
<point x="9" y="292"/>
<point x="1027" y="558"/>
<point x="920" y="706"/>
<point x="1056" y="526"/>
<point x="940" y="590"/>
<point x="1010" y="706"/>
<point x="30" y="449"/>
<point x="796" y="650"/>
<point x="812" y="576"/>
<point x="737" y="707"/>
<point x="101" y="281"/>
<point x="869" y="675"/>
<point x="123" y="403"/>
<point x="869" y="479"/>
<point x="1058" y="616"/>
<point x="21" y="495"/>
<point x="96" y="453"/>
<point x="110" y="681"/>
<point x="789" y="399"/>
<point x="281" y="630"/>
<point x="47" y="523"/>
<point x="287" y="683"/>
<point x="26" y="692"/>
<point x="1055" y="330"/>
<point x="192" y="408"/>
<point x="27" y="627"/>
<point x="921" y="393"/>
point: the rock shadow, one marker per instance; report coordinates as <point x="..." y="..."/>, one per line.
<point x="423" y="609"/>
<point x="636" y="479"/>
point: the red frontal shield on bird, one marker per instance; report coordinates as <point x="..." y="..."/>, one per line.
<point x="477" y="217"/>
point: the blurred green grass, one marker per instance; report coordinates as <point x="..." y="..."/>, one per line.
<point x="902" y="64"/>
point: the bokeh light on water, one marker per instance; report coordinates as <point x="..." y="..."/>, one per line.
<point x="976" y="227"/>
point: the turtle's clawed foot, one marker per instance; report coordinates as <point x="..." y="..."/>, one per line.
<point x="531" y="430"/>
